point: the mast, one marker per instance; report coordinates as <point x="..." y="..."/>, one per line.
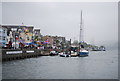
<point x="80" y="37"/>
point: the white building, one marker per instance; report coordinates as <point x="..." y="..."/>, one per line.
<point x="3" y="36"/>
<point x="18" y="33"/>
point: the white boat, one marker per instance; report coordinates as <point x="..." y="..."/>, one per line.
<point x="73" y="54"/>
<point x="62" y="54"/>
<point x="53" y="53"/>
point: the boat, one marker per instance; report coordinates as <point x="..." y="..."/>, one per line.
<point x="101" y="48"/>
<point x="53" y="53"/>
<point x="73" y="54"/>
<point x="62" y="54"/>
<point x="82" y="51"/>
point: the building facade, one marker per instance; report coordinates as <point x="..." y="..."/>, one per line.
<point x="18" y="33"/>
<point x="37" y="33"/>
<point x="55" y="41"/>
<point x="3" y="36"/>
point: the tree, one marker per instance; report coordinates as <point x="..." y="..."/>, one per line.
<point x="57" y="42"/>
<point x="75" y="42"/>
<point x="35" y="39"/>
<point x="62" y="45"/>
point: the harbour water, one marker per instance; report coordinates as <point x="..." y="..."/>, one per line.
<point x="98" y="65"/>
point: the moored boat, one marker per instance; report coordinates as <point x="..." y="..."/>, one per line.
<point x="83" y="53"/>
<point x="53" y="53"/>
<point x="62" y="54"/>
<point x="73" y="54"/>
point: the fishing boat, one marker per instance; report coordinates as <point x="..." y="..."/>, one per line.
<point x="82" y="51"/>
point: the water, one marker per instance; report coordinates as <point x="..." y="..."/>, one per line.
<point x="98" y="65"/>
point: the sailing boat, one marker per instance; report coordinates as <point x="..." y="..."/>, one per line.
<point x="82" y="52"/>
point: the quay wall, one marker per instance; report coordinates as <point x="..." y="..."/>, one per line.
<point x="15" y="54"/>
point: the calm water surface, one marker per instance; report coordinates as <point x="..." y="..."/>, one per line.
<point x="98" y="65"/>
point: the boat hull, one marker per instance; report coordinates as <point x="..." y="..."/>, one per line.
<point x="52" y="54"/>
<point x="82" y="54"/>
<point x="63" y="55"/>
<point x="74" y="55"/>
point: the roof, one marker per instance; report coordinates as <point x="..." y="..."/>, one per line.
<point x="17" y="25"/>
<point x="36" y="29"/>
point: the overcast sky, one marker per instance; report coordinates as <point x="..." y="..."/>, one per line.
<point x="100" y="20"/>
<point x="0" y="13"/>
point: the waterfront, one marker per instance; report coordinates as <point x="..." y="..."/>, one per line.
<point x="98" y="65"/>
<point x="28" y="34"/>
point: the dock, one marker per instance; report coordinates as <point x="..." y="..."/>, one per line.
<point x="16" y="54"/>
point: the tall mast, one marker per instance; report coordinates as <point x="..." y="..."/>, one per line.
<point x="81" y="28"/>
<point x="80" y="37"/>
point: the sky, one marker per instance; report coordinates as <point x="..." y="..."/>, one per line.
<point x="100" y="19"/>
<point x="0" y="49"/>
<point x="0" y="13"/>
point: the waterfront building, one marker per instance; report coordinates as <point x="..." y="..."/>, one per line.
<point x="19" y="33"/>
<point x="55" y="41"/>
<point x="47" y="40"/>
<point x="37" y="33"/>
<point x="37" y="36"/>
<point x="3" y="36"/>
<point x="59" y="42"/>
<point x="26" y="35"/>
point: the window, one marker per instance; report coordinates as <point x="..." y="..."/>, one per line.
<point x="27" y="38"/>
<point x="3" y="31"/>
<point x="3" y="38"/>
<point x="0" y="38"/>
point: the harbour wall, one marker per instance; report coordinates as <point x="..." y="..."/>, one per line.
<point x="15" y="54"/>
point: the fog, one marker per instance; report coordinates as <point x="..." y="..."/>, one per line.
<point x="100" y="20"/>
